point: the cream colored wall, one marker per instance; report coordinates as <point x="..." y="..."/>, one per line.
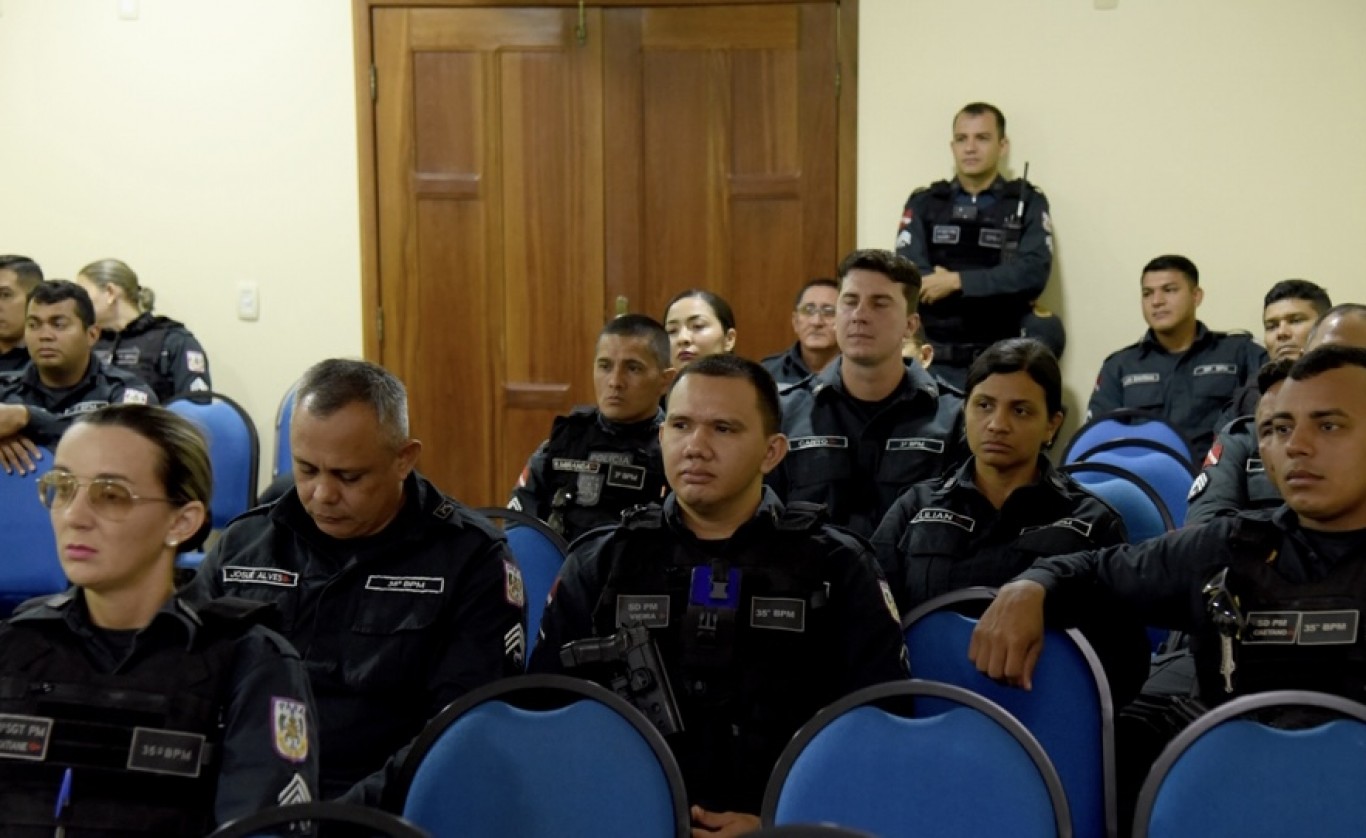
<point x="205" y="143"/>
<point x="1226" y="130"/>
<point x="209" y="143"/>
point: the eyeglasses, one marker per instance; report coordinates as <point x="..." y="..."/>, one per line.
<point x="811" y="310"/>
<point x="109" y="498"/>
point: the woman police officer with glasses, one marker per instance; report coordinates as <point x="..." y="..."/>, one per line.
<point x="124" y="710"/>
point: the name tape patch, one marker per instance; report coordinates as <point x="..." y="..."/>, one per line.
<point x="1141" y="378"/>
<point x="406" y="584"/>
<point x="576" y="466"/>
<point x="24" y="737"/>
<point x="944" y="234"/>
<point x="779" y="613"/>
<point x="165" y="752"/>
<point x="1215" y="369"/>
<point x="801" y="443"/>
<point x="1301" y="628"/>
<point x="934" y="515"/>
<point x="649" y="610"/>
<point x="626" y="477"/>
<point x="991" y="237"/>
<point x="915" y="443"/>
<point x="260" y="576"/>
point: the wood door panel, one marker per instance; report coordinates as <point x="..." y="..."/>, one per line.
<point x="491" y="234"/>
<point x="524" y="181"/>
<point x="737" y="110"/>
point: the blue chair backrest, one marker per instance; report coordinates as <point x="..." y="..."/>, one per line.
<point x="487" y="768"/>
<point x="234" y="451"/>
<point x="1126" y="424"/>
<point x="284" y="457"/>
<point x="1145" y="514"/>
<point x="1169" y="477"/>
<point x="1068" y="710"/>
<point x="29" y="566"/>
<point x="1226" y="775"/>
<point x="970" y="770"/>
<point x="540" y="552"/>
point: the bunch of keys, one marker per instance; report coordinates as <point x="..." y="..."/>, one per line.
<point x="1228" y="619"/>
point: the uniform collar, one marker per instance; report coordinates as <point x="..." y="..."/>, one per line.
<point x="770" y="509"/>
<point x="643" y="428"/>
<point x="920" y="383"/>
<point x="1149" y="343"/>
<point x="69" y="608"/>
<point x="1050" y="479"/>
<point x="996" y="187"/>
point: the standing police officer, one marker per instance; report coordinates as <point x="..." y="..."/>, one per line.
<point x="1180" y="370"/>
<point x="763" y="614"/>
<point x="399" y="598"/>
<point x="870" y="424"/>
<point x="983" y="245"/>
<point x="599" y="462"/>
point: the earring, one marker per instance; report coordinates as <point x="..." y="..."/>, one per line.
<point x="171" y="542"/>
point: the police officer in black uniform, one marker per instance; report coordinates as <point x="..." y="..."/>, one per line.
<point x="870" y="424"/>
<point x="158" y="350"/>
<point x="813" y="320"/>
<point x="1180" y="370"/>
<point x="18" y="276"/>
<point x="1272" y="598"/>
<point x="762" y="613"/>
<point x="125" y="710"/>
<point x="1233" y="477"/>
<point x="1007" y="506"/>
<point x="983" y="244"/>
<point x="65" y="379"/>
<point x="599" y="462"/>
<point x="399" y="598"/>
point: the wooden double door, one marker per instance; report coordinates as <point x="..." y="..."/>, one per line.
<point x="538" y="170"/>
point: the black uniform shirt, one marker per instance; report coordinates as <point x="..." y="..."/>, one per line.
<point x="51" y="411"/>
<point x="12" y="362"/>
<point x="255" y="770"/>
<point x="161" y="352"/>
<point x="867" y="647"/>
<point x="392" y="627"/>
<point x="787" y="367"/>
<point x="1233" y="477"/>
<point x="1189" y="390"/>
<point x="1162" y="578"/>
<point x="855" y="464"/>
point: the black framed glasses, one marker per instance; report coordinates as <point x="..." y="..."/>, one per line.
<point x="107" y="497"/>
<point x="811" y="310"/>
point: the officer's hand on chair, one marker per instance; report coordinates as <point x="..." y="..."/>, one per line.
<point x="18" y="453"/>
<point x="1007" y="641"/>
<point x="722" y="824"/>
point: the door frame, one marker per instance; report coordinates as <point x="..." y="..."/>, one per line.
<point x="363" y="38"/>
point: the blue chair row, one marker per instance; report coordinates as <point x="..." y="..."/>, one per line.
<point x="30" y="567"/>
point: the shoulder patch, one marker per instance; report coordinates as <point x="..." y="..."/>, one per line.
<point x="289" y="721"/>
<point x="513" y="588"/>
<point x="195" y="361"/>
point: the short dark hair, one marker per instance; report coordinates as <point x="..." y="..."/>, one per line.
<point x="1172" y="262"/>
<point x="643" y="327"/>
<point x="1299" y="289"/>
<point x="184" y="467"/>
<point x="54" y="291"/>
<point x="898" y="269"/>
<point x="718" y="306"/>
<point x="728" y="365"/>
<point x="1328" y="357"/>
<point x="1020" y="355"/>
<point x="1273" y="373"/>
<point x="822" y="282"/>
<point x="1338" y="311"/>
<point x="329" y="386"/>
<point x="979" y="108"/>
<point x="25" y="269"/>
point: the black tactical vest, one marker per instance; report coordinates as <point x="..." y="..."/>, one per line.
<point x="596" y="475"/>
<point x="142" y="745"/>
<point x="747" y="674"/>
